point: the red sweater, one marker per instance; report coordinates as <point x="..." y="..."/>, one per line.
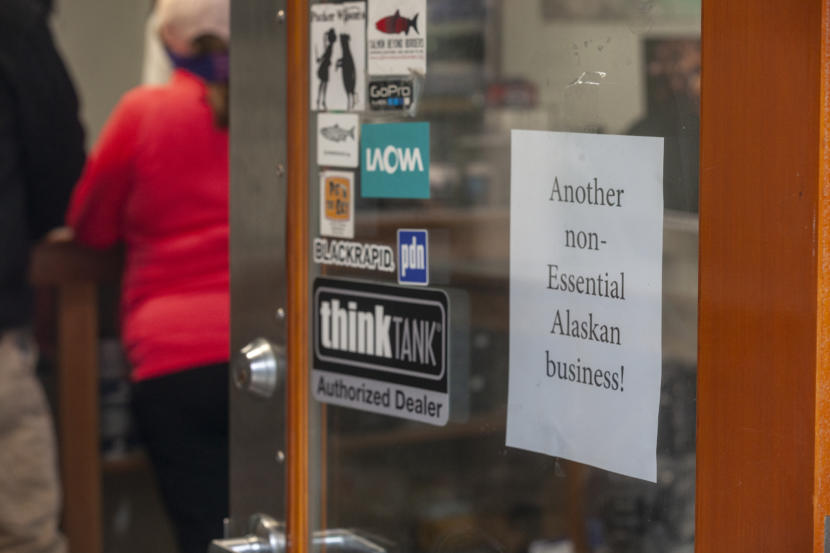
<point x="158" y="181"/>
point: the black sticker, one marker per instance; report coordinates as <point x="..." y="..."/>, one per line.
<point x="391" y="94"/>
<point x="382" y="348"/>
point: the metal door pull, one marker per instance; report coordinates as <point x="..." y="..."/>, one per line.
<point x="266" y="535"/>
<point x="343" y="541"/>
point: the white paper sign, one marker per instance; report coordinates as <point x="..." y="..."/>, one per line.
<point x="397" y="37"/>
<point x="337" y="204"/>
<point x="586" y="239"/>
<point x="338" y="56"/>
<point x="338" y="137"/>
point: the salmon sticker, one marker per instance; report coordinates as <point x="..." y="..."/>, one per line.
<point x="397" y="37"/>
<point x="338" y="136"/>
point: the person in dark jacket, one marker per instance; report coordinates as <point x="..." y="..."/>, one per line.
<point x="41" y="157"/>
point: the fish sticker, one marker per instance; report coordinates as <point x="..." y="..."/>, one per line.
<point x="396" y="39"/>
<point x="397" y="24"/>
<point x="338" y="138"/>
<point x="336" y="133"/>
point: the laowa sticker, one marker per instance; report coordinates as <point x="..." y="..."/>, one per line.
<point x="338" y="51"/>
<point x="338" y="138"/>
<point x="337" y="204"/>
<point x="413" y="257"/>
<point x="382" y="349"/>
<point x="394" y="160"/>
<point x="397" y="37"/>
<point x="391" y="94"/>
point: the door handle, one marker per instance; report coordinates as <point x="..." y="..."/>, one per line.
<point x="266" y="535"/>
<point x="258" y="367"/>
<point x="344" y="541"/>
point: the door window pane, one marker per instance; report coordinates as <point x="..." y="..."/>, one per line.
<point x="627" y="67"/>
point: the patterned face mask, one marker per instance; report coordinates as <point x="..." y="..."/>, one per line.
<point x="213" y="68"/>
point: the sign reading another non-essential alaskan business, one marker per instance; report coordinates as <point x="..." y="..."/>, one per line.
<point x="395" y="160"/>
<point x="586" y="233"/>
<point x="382" y="349"/>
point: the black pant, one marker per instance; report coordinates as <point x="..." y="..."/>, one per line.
<point x="183" y="421"/>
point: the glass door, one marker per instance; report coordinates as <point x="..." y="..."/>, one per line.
<point x="427" y="468"/>
<point x="380" y="224"/>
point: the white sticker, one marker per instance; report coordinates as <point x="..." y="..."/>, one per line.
<point x="338" y="56"/>
<point x="337" y="204"/>
<point x="397" y="37"/>
<point x="586" y="232"/>
<point x="356" y="255"/>
<point x="338" y="137"/>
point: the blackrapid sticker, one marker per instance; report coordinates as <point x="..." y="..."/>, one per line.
<point x="355" y="255"/>
<point x="338" y="54"/>
<point x="394" y="160"/>
<point x="338" y="138"/>
<point x="391" y="94"/>
<point x="382" y="349"/>
<point x="337" y="204"/>
<point x="397" y="37"/>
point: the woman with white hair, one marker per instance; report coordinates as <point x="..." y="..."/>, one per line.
<point x="158" y="181"/>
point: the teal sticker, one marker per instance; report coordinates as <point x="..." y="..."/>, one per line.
<point x="394" y="160"/>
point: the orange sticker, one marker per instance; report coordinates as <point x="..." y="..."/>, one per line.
<point x="337" y="204"/>
<point x="338" y="198"/>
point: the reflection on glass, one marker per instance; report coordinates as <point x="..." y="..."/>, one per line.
<point x="603" y="66"/>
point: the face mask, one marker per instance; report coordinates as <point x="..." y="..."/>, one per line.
<point x="213" y="68"/>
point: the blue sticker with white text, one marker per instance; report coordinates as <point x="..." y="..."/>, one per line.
<point x="395" y="160"/>
<point x="413" y="257"/>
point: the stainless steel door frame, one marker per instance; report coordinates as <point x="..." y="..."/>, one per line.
<point x="257" y="250"/>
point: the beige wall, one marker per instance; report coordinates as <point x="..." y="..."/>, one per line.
<point x="102" y="43"/>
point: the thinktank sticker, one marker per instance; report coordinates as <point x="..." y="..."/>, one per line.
<point x="382" y="349"/>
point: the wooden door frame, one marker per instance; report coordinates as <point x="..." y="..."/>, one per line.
<point x="762" y="451"/>
<point x="297" y="260"/>
<point x="763" y="444"/>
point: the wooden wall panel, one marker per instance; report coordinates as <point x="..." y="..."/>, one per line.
<point x="760" y="164"/>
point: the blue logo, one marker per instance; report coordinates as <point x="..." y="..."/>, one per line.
<point x="395" y="160"/>
<point x="413" y="257"/>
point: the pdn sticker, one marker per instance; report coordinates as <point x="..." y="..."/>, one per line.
<point x="413" y="257"/>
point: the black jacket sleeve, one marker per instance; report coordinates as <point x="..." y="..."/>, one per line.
<point x="50" y="133"/>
